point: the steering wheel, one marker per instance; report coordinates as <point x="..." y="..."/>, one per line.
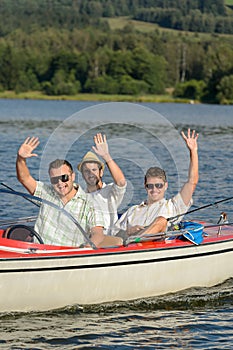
<point x="22" y="233"/>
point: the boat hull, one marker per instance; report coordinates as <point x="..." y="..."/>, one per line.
<point x="51" y="279"/>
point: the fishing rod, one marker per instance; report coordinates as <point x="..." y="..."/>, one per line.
<point x="203" y="207"/>
<point x="219" y="225"/>
<point x="18" y="221"/>
<point x="161" y="235"/>
<point x="62" y="210"/>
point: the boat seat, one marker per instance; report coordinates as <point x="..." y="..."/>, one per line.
<point x="21" y="233"/>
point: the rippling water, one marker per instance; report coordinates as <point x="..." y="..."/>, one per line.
<point x="138" y="137"/>
<point x="198" y="318"/>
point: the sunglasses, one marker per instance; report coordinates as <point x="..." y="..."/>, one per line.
<point x="159" y="186"/>
<point x="64" y="178"/>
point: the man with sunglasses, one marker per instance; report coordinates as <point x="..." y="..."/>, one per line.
<point x="53" y="226"/>
<point x="152" y="214"/>
<point x="106" y="197"/>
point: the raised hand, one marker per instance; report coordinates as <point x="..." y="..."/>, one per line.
<point x="101" y="146"/>
<point x="26" y="149"/>
<point x="191" y="139"/>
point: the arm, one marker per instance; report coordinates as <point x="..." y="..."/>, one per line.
<point x="23" y="173"/>
<point x="101" y="148"/>
<point x="189" y="187"/>
<point x="158" y="225"/>
<point x="101" y="240"/>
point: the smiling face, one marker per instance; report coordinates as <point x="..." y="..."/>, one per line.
<point x="92" y="174"/>
<point x="155" y="187"/>
<point x="63" y="185"/>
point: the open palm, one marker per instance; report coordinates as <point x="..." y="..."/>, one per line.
<point x="190" y="139"/>
<point x="27" y="148"/>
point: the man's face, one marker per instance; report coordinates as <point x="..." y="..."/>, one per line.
<point x="62" y="180"/>
<point x="155" y="188"/>
<point x="91" y="173"/>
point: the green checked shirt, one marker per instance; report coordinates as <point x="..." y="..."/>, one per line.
<point x="55" y="227"/>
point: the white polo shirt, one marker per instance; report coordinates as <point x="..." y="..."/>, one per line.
<point x="144" y="214"/>
<point x="106" y="201"/>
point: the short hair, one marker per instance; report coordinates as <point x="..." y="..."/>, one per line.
<point x="57" y="163"/>
<point x="156" y="172"/>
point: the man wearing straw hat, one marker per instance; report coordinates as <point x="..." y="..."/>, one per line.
<point x="106" y="197"/>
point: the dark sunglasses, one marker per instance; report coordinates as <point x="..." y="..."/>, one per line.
<point x="159" y="186"/>
<point x="64" y="178"/>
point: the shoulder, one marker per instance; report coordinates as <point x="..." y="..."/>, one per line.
<point x="178" y="203"/>
<point x="83" y="197"/>
<point x="81" y="194"/>
<point x="178" y="199"/>
<point x="43" y="189"/>
<point x="114" y="188"/>
<point x="131" y="209"/>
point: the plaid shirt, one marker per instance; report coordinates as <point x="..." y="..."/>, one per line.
<point x="58" y="229"/>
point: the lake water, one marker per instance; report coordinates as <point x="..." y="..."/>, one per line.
<point x="139" y="136"/>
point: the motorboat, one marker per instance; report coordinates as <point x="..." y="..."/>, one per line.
<point x="37" y="277"/>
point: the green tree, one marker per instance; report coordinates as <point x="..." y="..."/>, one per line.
<point x="27" y="82"/>
<point x="61" y="84"/>
<point x="150" y="69"/>
<point x="225" y="89"/>
<point x="102" y="85"/>
<point x="9" y="67"/>
<point x="217" y="65"/>
<point x="192" y="89"/>
<point x="130" y="86"/>
<point x="120" y="63"/>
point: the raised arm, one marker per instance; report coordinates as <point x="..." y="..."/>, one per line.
<point x="101" y="148"/>
<point x="23" y="174"/>
<point x="189" y="187"/>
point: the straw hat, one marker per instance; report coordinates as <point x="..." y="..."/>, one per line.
<point x="90" y="157"/>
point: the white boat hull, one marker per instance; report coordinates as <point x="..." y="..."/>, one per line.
<point x="38" y="283"/>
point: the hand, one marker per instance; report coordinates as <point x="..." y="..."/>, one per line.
<point x="26" y="149"/>
<point x="134" y="230"/>
<point x="191" y="139"/>
<point x="101" y="146"/>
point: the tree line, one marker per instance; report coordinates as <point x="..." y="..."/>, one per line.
<point x="193" y="15"/>
<point x="95" y="59"/>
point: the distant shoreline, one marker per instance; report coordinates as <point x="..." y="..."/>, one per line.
<point x="36" y="95"/>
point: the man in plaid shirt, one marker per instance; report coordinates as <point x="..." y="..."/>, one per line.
<point x="53" y="226"/>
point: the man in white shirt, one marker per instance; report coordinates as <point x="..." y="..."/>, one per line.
<point x="152" y="214"/>
<point x="106" y="197"/>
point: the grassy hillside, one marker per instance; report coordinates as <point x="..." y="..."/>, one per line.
<point x="118" y="23"/>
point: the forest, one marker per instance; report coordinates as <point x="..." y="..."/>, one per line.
<point x="67" y="47"/>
